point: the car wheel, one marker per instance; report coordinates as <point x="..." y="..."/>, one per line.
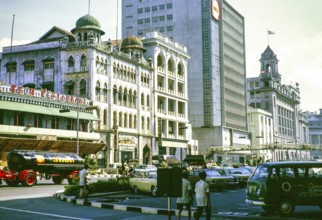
<point x="286" y="207"/>
<point x="136" y="189"/>
<point x="154" y="191"/>
<point x="269" y="209"/>
<point x="30" y="180"/>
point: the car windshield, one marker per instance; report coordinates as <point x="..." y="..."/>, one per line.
<point x="261" y="172"/>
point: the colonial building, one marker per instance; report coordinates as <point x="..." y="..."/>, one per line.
<point x="315" y="134"/>
<point x="121" y="79"/>
<point x="214" y="34"/>
<point x="289" y="124"/>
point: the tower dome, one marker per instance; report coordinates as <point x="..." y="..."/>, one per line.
<point x="87" y="20"/>
<point x="132" y="42"/>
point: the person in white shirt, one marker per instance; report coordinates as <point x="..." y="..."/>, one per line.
<point x="186" y="198"/>
<point x="83" y="182"/>
<point x="202" y="197"/>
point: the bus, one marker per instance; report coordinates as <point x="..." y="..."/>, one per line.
<point x="280" y="186"/>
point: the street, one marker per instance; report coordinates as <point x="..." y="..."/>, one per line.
<point x="37" y="203"/>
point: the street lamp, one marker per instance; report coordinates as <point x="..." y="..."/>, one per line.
<point x="77" y="125"/>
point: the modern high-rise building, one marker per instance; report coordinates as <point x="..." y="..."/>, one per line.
<point x="213" y="32"/>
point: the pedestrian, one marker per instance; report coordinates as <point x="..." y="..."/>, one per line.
<point x="83" y="192"/>
<point x="186" y="199"/>
<point x="202" y="197"/>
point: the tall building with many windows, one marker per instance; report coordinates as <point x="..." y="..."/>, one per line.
<point x="213" y="32"/>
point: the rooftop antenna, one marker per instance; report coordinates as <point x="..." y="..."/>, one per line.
<point x="10" y="57"/>
<point x="89" y="6"/>
<point x="117" y="21"/>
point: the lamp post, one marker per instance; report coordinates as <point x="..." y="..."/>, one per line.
<point x="77" y="122"/>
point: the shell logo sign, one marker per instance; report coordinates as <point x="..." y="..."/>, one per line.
<point x="40" y="159"/>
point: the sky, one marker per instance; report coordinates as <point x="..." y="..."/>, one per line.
<point x="297" y="25"/>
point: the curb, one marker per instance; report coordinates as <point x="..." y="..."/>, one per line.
<point x="117" y="207"/>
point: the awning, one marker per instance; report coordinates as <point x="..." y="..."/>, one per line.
<point x="23" y="107"/>
<point x="69" y="83"/>
<point x="39" y="109"/>
<point x="48" y="83"/>
<point x="195" y="160"/>
<point x="30" y="85"/>
<point x="7" y="144"/>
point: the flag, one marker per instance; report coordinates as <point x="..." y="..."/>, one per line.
<point x="270" y="32"/>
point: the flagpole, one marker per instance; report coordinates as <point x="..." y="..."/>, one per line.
<point x="10" y="57"/>
<point x="267" y="37"/>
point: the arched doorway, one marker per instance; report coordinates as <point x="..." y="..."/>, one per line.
<point x="146" y="154"/>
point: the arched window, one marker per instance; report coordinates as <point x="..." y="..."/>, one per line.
<point x="170" y="67"/>
<point x="134" y="99"/>
<point x="134" y="122"/>
<point x="105" y="118"/>
<point x="98" y="91"/>
<point x="114" y="94"/>
<point x="160" y="63"/>
<point x="148" y="101"/>
<point x="142" y="101"/>
<point x="180" y="71"/>
<point x="105" y="92"/>
<point x="125" y="97"/>
<point x="120" y="120"/>
<point x="71" y="62"/>
<point x="82" y="88"/>
<point x="142" y="123"/>
<point x="130" y="121"/>
<point x="148" y="124"/>
<point x="125" y="120"/>
<point x="83" y="63"/>
<point x="120" y="96"/>
<point x="114" y="118"/>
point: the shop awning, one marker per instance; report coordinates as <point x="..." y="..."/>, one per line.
<point x="29" y="85"/>
<point x="38" y="109"/>
<point x="195" y="159"/>
<point x="23" y="107"/>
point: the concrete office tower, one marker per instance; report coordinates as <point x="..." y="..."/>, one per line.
<point x="213" y="31"/>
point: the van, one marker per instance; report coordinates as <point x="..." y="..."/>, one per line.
<point x="280" y="186"/>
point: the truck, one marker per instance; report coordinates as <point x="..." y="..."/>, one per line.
<point x="25" y="166"/>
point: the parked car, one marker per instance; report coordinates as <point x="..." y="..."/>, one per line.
<point x="242" y="175"/>
<point x="214" y="179"/>
<point x="232" y="180"/>
<point x="113" y="168"/>
<point x="144" y="181"/>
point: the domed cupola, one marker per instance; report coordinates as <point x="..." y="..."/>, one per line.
<point x="86" y="25"/>
<point x="132" y="43"/>
<point x="88" y="21"/>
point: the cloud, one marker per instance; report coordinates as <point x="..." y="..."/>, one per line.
<point x="6" y="42"/>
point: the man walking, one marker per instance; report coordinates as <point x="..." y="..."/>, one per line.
<point x="202" y="197"/>
<point x="83" y="193"/>
<point x="186" y="198"/>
